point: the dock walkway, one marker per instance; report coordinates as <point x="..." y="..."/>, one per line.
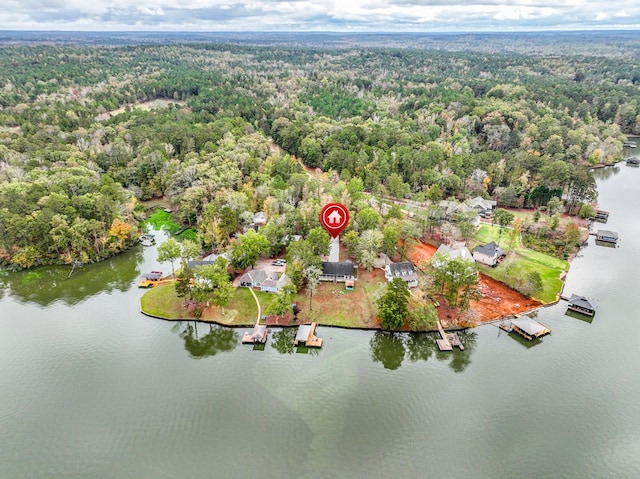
<point x="448" y="340"/>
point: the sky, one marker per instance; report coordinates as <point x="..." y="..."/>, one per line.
<point x="320" y="15"/>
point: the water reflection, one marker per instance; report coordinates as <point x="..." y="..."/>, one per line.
<point x="600" y="174"/>
<point x="282" y="341"/>
<point x="581" y="317"/>
<point x="48" y="284"/>
<point x="388" y="349"/>
<point x="391" y="349"/>
<point x="216" y="339"/>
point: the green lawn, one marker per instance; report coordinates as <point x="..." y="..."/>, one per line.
<point x="333" y="305"/>
<point x="163" y="302"/>
<point x="526" y="261"/>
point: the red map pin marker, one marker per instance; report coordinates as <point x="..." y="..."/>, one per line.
<point x="334" y="217"/>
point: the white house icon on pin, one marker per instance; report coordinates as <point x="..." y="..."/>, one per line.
<point x="335" y="218"/>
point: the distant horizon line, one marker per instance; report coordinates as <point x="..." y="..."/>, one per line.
<point x="342" y="32"/>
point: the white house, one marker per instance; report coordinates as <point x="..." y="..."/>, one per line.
<point x="489" y="254"/>
<point x="404" y="270"/>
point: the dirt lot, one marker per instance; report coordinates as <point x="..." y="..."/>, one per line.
<point x="498" y="299"/>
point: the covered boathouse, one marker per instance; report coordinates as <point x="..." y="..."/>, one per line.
<point x="306" y="336"/>
<point x="607" y="236"/>
<point x="528" y="328"/>
<point x="582" y="305"/>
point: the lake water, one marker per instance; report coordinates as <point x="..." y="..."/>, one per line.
<point x="90" y="388"/>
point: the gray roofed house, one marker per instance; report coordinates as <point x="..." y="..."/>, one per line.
<point x="404" y="270"/>
<point x="481" y="205"/>
<point x="274" y="283"/>
<point x="580" y="304"/>
<point x="489" y="254"/>
<point x="253" y="278"/>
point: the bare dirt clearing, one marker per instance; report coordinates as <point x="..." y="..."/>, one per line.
<point x="498" y="300"/>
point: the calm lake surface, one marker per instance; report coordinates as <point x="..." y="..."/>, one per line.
<point x="91" y="388"/>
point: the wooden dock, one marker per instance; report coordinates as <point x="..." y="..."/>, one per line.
<point x="306" y="336"/>
<point x="448" y="340"/>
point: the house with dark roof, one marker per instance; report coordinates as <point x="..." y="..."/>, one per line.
<point x="582" y="305"/>
<point x="338" y="271"/>
<point x="404" y="270"/>
<point x="489" y="254"/>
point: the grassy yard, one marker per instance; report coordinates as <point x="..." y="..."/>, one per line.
<point x="333" y="305"/>
<point x="163" y="302"/>
<point x="526" y="261"/>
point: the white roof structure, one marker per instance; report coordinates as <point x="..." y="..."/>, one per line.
<point x="463" y="252"/>
<point x="529" y="326"/>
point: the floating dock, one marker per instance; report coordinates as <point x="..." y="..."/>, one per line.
<point x="306" y="336"/>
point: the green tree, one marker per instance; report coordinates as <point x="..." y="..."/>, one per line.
<point x="212" y="283"/>
<point x="554" y="206"/>
<point x="169" y="250"/>
<point x="458" y="279"/>
<point x="247" y="249"/>
<point x="390" y="239"/>
<point x="312" y="276"/>
<point x="368" y="219"/>
<point x="183" y="283"/>
<point x="393" y="305"/>
<point x="587" y="210"/>
<point x="423" y="317"/>
<point x="319" y="241"/>
<point x="281" y="302"/>
<point x="503" y="218"/>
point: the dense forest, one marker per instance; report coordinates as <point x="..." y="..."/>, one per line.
<point x="221" y="131"/>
